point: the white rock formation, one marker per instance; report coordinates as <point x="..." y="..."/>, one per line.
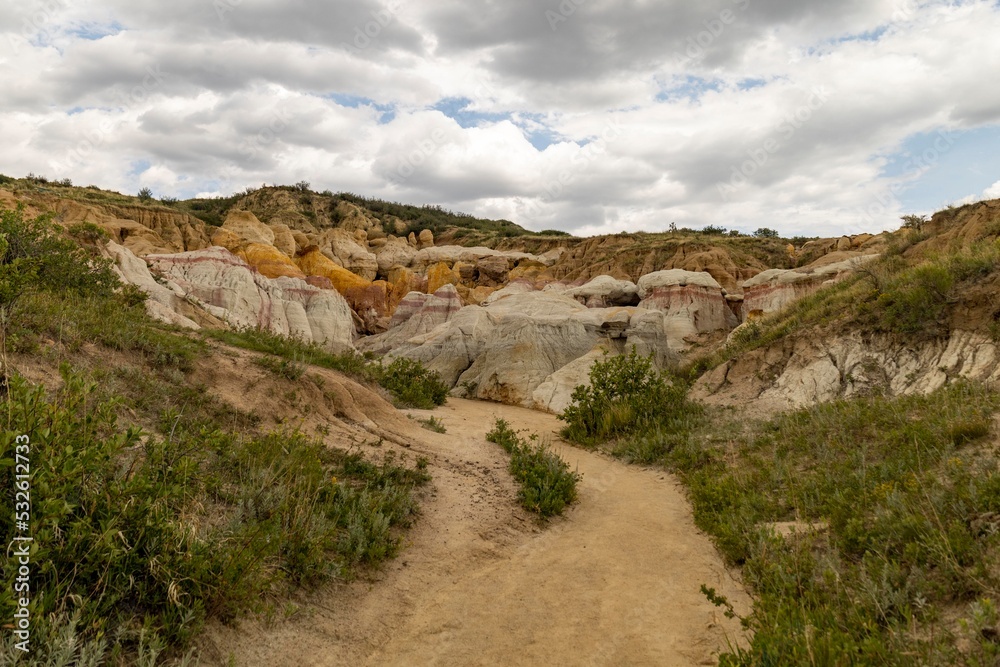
<point x="395" y="252"/>
<point x="774" y="289"/>
<point x="515" y="347"/>
<point x="229" y="289"/>
<point x="691" y="302"/>
<point x="604" y="292"/>
<point x="804" y="371"/>
<point x="165" y="302"/>
<point x="555" y="393"/>
<point x="416" y="315"/>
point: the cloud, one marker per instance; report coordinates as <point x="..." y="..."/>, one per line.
<point x="992" y="192"/>
<point x="585" y="115"/>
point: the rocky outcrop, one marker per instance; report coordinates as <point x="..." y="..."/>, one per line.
<point x="773" y="290"/>
<point x="533" y="336"/>
<point x="450" y="254"/>
<point x="441" y="274"/>
<point x="417" y="314"/>
<point x="162" y="229"/>
<point x="269" y="261"/>
<point x="284" y="239"/>
<point x="555" y="393"/>
<point x="165" y="303"/>
<point x="245" y="227"/>
<point x="346" y="249"/>
<point x="230" y="289"/>
<point x="368" y="299"/>
<point x="691" y="303"/>
<point x="802" y="371"/>
<point x="604" y="292"/>
<point x="524" y="348"/>
<point x="396" y="252"/>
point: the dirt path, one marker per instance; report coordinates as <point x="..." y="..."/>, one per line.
<point x="616" y="582"/>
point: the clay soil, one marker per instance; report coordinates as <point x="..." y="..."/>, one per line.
<point x="481" y="582"/>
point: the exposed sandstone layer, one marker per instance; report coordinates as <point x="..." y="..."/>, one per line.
<point x="803" y="370"/>
<point x="772" y="290"/>
<point x="231" y="290"/>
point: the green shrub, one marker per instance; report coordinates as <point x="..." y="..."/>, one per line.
<point x="88" y="232"/>
<point x="413" y="384"/>
<point x="145" y="194"/>
<point x="33" y="257"/>
<point x="547" y="486"/>
<point x="433" y="424"/>
<point x="138" y="536"/>
<point x="626" y="395"/>
<point x="917" y="302"/>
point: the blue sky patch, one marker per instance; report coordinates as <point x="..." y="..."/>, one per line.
<point x="537" y="132"/>
<point x="868" y="36"/>
<point x="457" y="109"/>
<point x="958" y="164"/>
<point x="690" y="88"/>
<point x="95" y="31"/>
<point x="387" y="111"/>
<point x="137" y="167"/>
<point x="750" y="84"/>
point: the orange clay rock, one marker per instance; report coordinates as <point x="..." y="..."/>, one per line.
<point x="269" y="261"/>
<point x="530" y="270"/>
<point x="245" y="225"/>
<point x="440" y="275"/>
<point x="402" y="281"/>
<point x="369" y="300"/>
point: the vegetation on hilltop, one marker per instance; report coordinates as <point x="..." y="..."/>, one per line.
<point x="321" y="209"/>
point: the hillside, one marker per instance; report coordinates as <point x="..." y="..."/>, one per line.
<point x="189" y="380"/>
<point x="922" y="315"/>
<point x="206" y="485"/>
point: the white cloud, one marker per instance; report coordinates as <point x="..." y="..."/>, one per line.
<point x="190" y="102"/>
<point x="992" y="192"/>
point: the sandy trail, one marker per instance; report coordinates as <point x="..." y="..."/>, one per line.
<point x="615" y="582"/>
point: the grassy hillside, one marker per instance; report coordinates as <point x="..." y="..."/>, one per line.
<point x="942" y="276"/>
<point x="867" y="529"/>
<point x="155" y="505"/>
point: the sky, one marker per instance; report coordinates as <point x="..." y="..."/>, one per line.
<point x="811" y="117"/>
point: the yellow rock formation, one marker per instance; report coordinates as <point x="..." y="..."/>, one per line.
<point x="440" y="275"/>
<point x="529" y="270"/>
<point x="228" y="239"/>
<point x="284" y="240"/>
<point x="246" y="225"/>
<point x="270" y="261"/>
<point x="402" y="281"/>
<point x="315" y="263"/>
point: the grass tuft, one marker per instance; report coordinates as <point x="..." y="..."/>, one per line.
<point x="547" y="484"/>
